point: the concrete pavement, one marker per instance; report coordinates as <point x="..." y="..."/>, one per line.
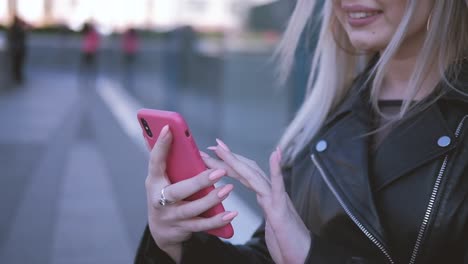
<point x="57" y="200"/>
<point x="72" y="177"/>
<point x="72" y="164"/>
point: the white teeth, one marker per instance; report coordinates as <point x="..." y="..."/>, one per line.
<point x="359" y="15"/>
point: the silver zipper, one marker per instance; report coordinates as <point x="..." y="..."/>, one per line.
<point x="348" y="212"/>
<point x="432" y="200"/>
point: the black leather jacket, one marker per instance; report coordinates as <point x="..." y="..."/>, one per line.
<point x="405" y="203"/>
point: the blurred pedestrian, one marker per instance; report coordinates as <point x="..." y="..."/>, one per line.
<point x="188" y="38"/>
<point x="374" y="166"/>
<point x="172" y="68"/>
<point x="130" y="48"/>
<point x="89" y="51"/>
<point x="17" y="49"/>
<point x="176" y="60"/>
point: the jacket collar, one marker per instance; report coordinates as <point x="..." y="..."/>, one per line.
<point x="346" y="160"/>
<point x="416" y="140"/>
<point x="456" y="90"/>
<point x="412" y="144"/>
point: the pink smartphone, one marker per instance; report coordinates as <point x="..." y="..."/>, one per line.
<point x="184" y="160"/>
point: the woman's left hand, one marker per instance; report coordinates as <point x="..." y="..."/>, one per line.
<point x="286" y="235"/>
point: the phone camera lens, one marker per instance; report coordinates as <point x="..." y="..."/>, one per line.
<point x="146" y="127"/>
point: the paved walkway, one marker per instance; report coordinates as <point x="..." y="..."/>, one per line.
<point x="72" y="168"/>
<point x="89" y="227"/>
<point x="56" y="201"/>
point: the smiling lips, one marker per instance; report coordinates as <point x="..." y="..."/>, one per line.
<point x="360" y="16"/>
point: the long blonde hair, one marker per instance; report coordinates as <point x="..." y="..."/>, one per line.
<point x="334" y="67"/>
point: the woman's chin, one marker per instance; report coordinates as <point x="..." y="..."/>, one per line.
<point x="367" y="46"/>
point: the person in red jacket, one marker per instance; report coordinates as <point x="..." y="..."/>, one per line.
<point x="130" y="48"/>
<point x="89" y="50"/>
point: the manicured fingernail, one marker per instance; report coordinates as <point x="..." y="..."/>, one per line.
<point x="217" y="174"/>
<point x="225" y="190"/>
<point x="164" y="131"/>
<point x="204" y="155"/>
<point x="222" y="144"/>
<point x="280" y="156"/>
<point x="229" y="216"/>
<point x="212" y="148"/>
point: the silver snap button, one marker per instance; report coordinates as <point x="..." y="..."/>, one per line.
<point x="444" y="141"/>
<point x="321" y="146"/>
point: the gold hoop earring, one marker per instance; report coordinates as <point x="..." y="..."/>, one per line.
<point x="428" y="24"/>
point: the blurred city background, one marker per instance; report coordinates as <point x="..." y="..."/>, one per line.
<point x="73" y="74"/>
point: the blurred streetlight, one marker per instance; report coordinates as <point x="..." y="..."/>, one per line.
<point x="48" y="15"/>
<point x="149" y="13"/>
<point x="12" y="9"/>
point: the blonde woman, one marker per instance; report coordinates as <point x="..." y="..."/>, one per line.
<point x="375" y="164"/>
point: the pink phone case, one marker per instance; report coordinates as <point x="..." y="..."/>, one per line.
<point x="184" y="160"/>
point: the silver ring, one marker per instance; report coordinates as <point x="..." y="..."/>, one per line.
<point x="163" y="201"/>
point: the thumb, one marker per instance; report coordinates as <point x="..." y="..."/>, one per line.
<point x="275" y="170"/>
<point x="161" y="149"/>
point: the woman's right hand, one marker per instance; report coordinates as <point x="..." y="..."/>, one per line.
<point x="174" y="223"/>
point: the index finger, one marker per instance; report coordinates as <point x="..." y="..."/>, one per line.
<point x="255" y="179"/>
<point x="183" y="189"/>
<point x="220" y="164"/>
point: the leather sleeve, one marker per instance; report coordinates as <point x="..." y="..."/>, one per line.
<point x="149" y="253"/>
<point x="204" y="248"/>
